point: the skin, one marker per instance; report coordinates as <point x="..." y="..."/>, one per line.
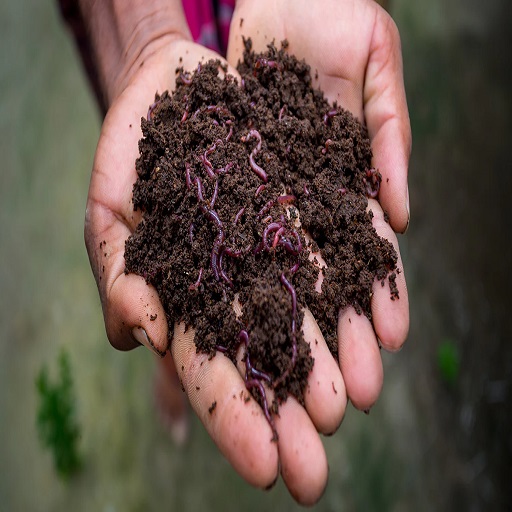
<point x="355" y="51"/>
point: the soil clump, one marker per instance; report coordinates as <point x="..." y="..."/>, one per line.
<point x="225" y="170"/>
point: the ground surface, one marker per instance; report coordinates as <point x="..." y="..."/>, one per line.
<point x="425" y="446"/>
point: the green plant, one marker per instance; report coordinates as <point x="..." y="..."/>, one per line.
<point x="56" y="424"/>
<point x="448" y="361"/>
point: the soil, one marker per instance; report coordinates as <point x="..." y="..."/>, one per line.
<point x="224" y="171"/>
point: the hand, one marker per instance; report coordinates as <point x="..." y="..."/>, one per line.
<point x="238" y="428"/>
<point x="353" y="48"/>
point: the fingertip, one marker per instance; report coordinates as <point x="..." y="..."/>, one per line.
<point x="360" y="360"/>
<point x="325" y="397"/>
<point x="390" y="301"/>
<point x="232" y="417"/>
<point x="134" y="315"/>
<point x="304" y="466"/>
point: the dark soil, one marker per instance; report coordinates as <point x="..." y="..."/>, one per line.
<point x="213" y="226"/>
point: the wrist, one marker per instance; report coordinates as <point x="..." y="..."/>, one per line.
<point x="125" y="33"/>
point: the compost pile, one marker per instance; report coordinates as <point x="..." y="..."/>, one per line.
<point x="230" y="177"/>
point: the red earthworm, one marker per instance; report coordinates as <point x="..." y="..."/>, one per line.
<point x="198" y="282"/>
<point x="213" y="216"/>
<point x="204" y="158"/>
<point x="239" y="215"/>
<point x="281" y="112"/>
<point x="257" y="169"/>
<point x="295" y="268"/>
<point x="254" y="166"/>
<point x="372" y="183"/>
<point x="223" y="170"/>
<point x="230" y="132"/>
<point x="274" y="226"/>
<point x="253" y="378"/>
<point x="329" y="115"/>
<point x="306" y="190"/>
<point x="215" y="193"/>
<point x="260" y="63"/>
<point x="281" y="199"/>
<point x="185" y="115"/>
<point x="222" y="272"/>
<point x="260" y="189"/>
<point x="200" y="189"/>
<point x="328" y="143"/>
<point x="236" y="253"/>
<point x="151" y="108"/>
<point x="291" y="290"/>
<point x="188" y="181"/>
<point x="278" y="234"/>
<point x="289" y="198"/>
<point x="251" y="383"/>
<point x="185" y="78"/>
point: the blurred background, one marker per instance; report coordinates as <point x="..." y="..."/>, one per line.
<point x="439" y="438"/>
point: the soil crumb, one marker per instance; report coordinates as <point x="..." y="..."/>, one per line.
<point x="230" y="177"/>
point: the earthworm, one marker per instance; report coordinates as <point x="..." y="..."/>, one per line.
<point x="281" y="112"/>
<point x="254" y="166"/>
<point x="213" y="216"/>
<point x="230" y="132"/>
<point x="253" y="378"/>
<point x="215" y="193"/>
<point x="266" y="63"/>
<point x="207" y="164"/>
<point x="188" y="181"/>
<point x="260" y="189"/>
<point x="222" y="272"/>
<point x="281" y="199"/>
<point x="291" y="290"/>
<point x="238" y="215"/>
<point x="329" y="115"/>
<point x="198" y="282"/>
<point x="328" y="143"/>
<point x="372" y="182"/>
<point x="185" y="78"/>
<point x="151" y="108"/>
<point x="224" y="170"/>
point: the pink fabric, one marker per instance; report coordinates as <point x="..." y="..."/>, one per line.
<point x="209" y="22"/>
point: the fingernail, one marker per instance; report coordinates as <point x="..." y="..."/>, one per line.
<point x="141" y="336"/>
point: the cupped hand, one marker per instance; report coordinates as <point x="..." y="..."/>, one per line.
<point x="353" y="48"/>
<point x="363" y="75"/>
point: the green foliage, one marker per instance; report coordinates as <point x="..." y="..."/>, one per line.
<point x="56" y="424"/>
<point x="448" y="362"/>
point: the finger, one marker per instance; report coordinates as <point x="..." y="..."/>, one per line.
<point x="325" y="397"/>
<point x="387" y="119"/>
<point x="231" y="416"/>
<point x="133" y="314"/>
<point x="303" y="460"/>
<point x="301" y="453"/>
<point x="390" y="315"/>
<point x="360" y="360"/>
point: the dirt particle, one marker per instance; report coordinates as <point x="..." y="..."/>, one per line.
<point x="212" y="407"/>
